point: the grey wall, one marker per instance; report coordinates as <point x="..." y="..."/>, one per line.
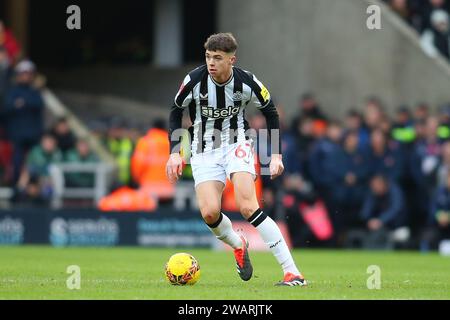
<point x="146" y="84"/>
<point x="294" y="46"/>
<point x="324" y="46"/>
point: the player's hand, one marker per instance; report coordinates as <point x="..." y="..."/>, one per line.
<point x="174" y="167"/>
<point x="276" y="166"/>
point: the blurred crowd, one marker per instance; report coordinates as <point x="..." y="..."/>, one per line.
<point x="27" y="146"/>
<point x="430" y="18"/>
<point x="372" y="175"/>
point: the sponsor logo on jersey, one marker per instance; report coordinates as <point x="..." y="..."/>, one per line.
<point x="215" y="113"/>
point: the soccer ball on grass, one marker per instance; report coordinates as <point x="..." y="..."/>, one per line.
<point x="182" y="269"/>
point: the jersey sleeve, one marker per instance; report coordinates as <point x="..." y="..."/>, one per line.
<point x="262" y="100"/>
<point x="260" y="95"/>
<point x="184" y="95"/>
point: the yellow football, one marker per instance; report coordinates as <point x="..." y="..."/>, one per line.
<point x="182" y="269"/>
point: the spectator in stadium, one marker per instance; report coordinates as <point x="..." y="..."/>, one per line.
<point x="373" y="113"/>
<point x="385" y="125"/>
<point x="41" y="156"/>
<point x="296" y="144"/>
<point x="421" y="112"/>
<point x="354" y="122"/>
<point x="438" y="223"/>
<point x="383" y="208"/>
<point x="384" y="157"/>
<point x="420" y="129"/>
<point x="24" y="108"/>
<point x="80" y="154"/>
<point x="353" y="170"/>
<point x="403" y="127"/>
<point x="63" y="135"/>
<point x="436" y="39"/>
<point x="32" y="196"/>
<point x="299" y="143"/>
<point x="425" y="157"/>
<point x="148" y="163"/>
<point x="9" y="42"/>
<point x="121" y="147"/>
<point x="309" y="108"/>
<point x="322" y="167"/>
<point x="321" y="160"/>
<point x="37" y="165"/>
<point x="423" y="167"/>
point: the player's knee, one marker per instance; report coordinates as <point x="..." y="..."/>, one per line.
<point x="247" y="208"/>
<point x="210" y="213"/>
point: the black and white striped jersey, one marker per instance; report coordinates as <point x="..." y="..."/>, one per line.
<point x="217" y="111"/>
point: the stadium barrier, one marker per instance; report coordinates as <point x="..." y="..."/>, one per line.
<point x="102" y="173"/>
<point x="93" y="228"/>
<point x="61" y="228"/>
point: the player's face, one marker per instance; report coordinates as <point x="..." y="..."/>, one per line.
<point x="219" y="63"/>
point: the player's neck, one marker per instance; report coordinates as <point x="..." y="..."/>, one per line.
<point x="223" y="78"/>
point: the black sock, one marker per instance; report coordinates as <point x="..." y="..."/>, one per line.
<point x="216" y="224"/>
<point x="257" y="218"/>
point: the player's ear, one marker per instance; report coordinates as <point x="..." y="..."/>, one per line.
<point x="233" y="59"/>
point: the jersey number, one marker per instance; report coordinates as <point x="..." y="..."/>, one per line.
<point x="240" y="153"/>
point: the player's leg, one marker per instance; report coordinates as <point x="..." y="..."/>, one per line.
<point x="209" y="198"/>
<point x="210" y="177"/>
<point x="244" y="189"/>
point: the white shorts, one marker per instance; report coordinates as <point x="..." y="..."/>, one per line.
<point x="219" y="164"/>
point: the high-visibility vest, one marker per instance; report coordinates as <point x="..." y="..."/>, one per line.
<point x="126" y="199"/>
<point x="122" y="150"/>
<point x="404" y="134"/>
<point x="443" y="132"/>
<point x="148" y="163"/>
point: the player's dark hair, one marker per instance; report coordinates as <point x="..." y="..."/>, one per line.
<point x="221" y="42"/>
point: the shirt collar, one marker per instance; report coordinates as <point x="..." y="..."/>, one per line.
<point x="225" y="83"/>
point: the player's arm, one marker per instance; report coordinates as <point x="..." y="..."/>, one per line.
<point x="273" y="126"/>
<point x="174" y="167"/>
<point x="262" y="100"/>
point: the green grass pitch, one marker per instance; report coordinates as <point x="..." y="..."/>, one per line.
<point x="35" y="272"/>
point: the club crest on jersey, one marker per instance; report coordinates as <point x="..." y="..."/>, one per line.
<point x="237" y="96"/>
<point x="216" y="113"/>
